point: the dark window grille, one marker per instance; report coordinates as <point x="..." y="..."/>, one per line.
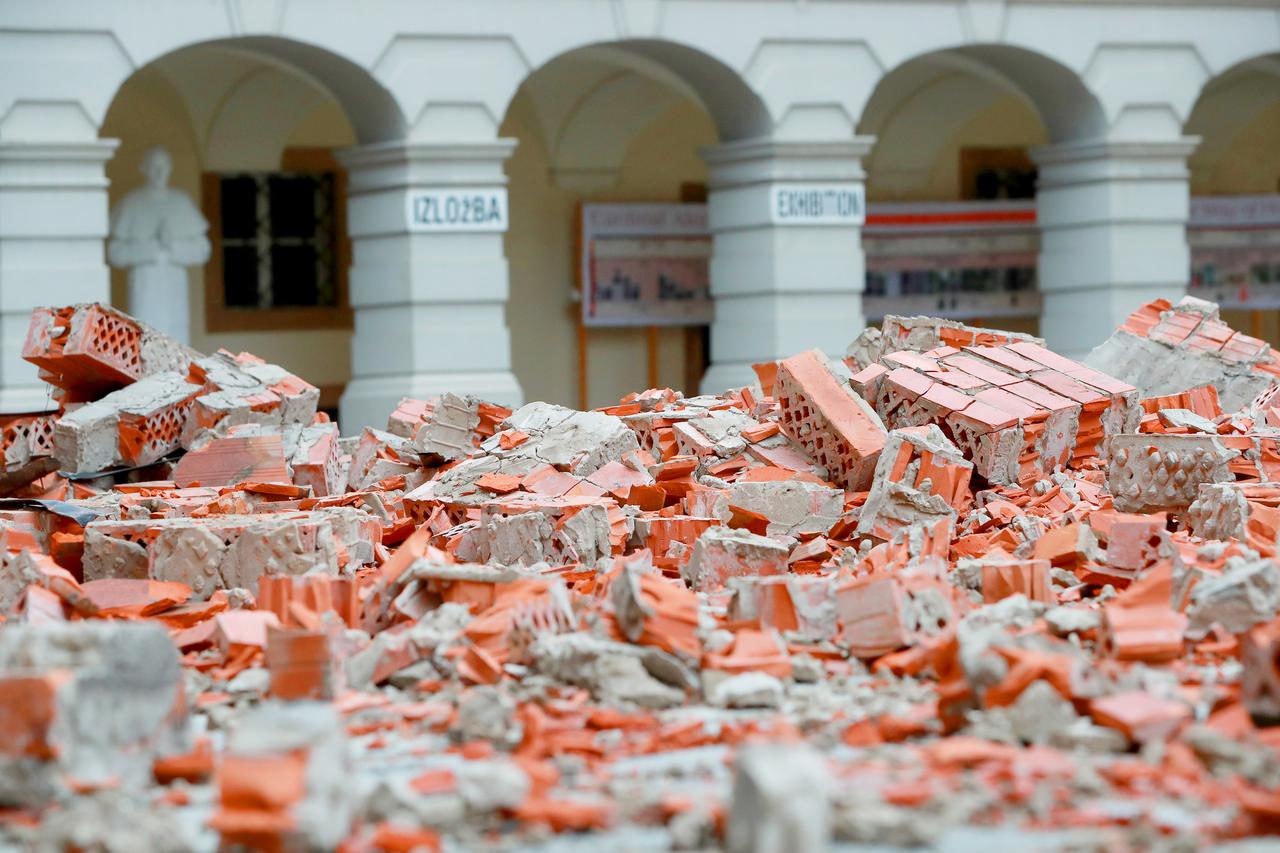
<point x="279" y="241"/>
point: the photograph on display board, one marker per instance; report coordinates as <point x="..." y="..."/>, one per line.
<point x="958" y="260"/>
<point x="646" y="264"/>
<point x="650" y="282"/>
<point x="1235" y="251"/>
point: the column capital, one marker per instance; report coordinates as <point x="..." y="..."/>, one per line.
<point x="768" y="160"/>
<point x="1091" y="160"/>
<point x="56" y="163"/>
<point x="404" y="164"/>
<point x="59" y="149"/>
<point x="408" y="151"/>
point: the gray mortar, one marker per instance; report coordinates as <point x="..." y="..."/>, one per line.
<point x="190" y="555"/>
<point x="780" y="801"/>
<point x="753" y="554"/>
<point x="577" y="442"/>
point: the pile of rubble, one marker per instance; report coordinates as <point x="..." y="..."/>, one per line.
<point x="949" y="588"/>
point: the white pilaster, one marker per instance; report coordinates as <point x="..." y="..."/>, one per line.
<point x="430" y="306"/>
<point x="53" y="220"/>
<point x="1113" y="234"/>
<point x="780" y="288"/>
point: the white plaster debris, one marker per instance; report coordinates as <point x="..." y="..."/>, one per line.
<point x="226" y="551"/>
<point x="445" y="434"/>
<point x="792" y="506"/>
<point x="721" y="553"/>
<point x="1245" y="594"/>
<point x="117" y="709"/>
<point x="747" y="690"/>
<point x="899" y="503"/>
<point x="323" y="817"/>
<point x="780" y="801"/>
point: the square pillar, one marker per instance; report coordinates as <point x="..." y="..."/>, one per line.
<point x="1113" y="234"/>
<point x="53" y="221"/>
<point x="787" y="269"/>
<point x="429" y="278"/>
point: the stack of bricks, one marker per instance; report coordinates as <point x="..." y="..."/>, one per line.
<point x="224" y="551"/>
<point x="1017" y="410"/>
<point x="469" y="419"/>
<point x="1170" y="349"/>
<point x="245" y="389"/>
<point x="131" y="396"/>
<point x="1201" y="331"/>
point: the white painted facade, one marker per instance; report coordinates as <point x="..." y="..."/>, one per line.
<point x="1128" y="107"/>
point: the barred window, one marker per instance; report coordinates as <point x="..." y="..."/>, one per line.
<point x="281" y="251"/>
<point x="279" y="239"/>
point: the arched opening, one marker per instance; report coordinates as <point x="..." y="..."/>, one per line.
<point x="951" y="181"/>
<point x="609" y="124"/>
<point x="252" y="125"/>
<point x="1235" y="183"/>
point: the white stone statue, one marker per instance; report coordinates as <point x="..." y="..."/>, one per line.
<point x="156" y="232"/>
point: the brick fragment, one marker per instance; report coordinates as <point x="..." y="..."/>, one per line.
<point x="1140" y="716"/>
<point x="720" y="554"/>
<point x="301" y="664"/>
<point x="1260" y="654"/>
<point x="836" y="428"/>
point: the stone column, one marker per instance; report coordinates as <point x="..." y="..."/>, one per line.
<point x="53" y="220"/>
<point x="787" y="271"/>
<point x="1113" y="234"/>
<point x="428" y="276"/>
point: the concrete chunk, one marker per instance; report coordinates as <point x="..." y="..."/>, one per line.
<point x="97" y="700"/>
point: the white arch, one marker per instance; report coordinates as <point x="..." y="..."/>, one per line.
<point x="592" y="103"/>
<point x="736" y="109"/>
<point x="1069" y="110"/>
<point x="1227" y="106"/>
<point x="920" y="124"/>
<point x="592" y="144"/>
<point x="270" y="101"/>
<point x="373" y="112"/>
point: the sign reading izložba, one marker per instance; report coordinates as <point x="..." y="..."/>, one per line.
<point x="817" y="204"/>
<point x="457" y="209"/>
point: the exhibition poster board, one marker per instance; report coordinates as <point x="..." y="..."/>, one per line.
<point x="646" y="264"/>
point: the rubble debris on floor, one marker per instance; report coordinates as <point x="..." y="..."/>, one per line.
<point x="948" y="584"/>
